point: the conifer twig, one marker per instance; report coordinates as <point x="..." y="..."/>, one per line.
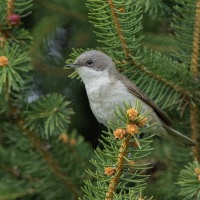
<point x="15" y="173"/>
<point x="10" y="4"/>
<point x="181" y="90"/>
<point x="119" y="29"/>
<point x="196" y="39"/>
<point x="2" y="38"/>
<point x="66" y="180"/>
<point x="3" y="33"/>
<point x="129" y="57"/>
<point x="194" y="111"/>
<point x="17" y="195"/>
<point x="119" y="167"/>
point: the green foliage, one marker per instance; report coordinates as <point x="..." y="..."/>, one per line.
<point x="24" y="39"/>
<point x="35" y="168"/>
<point x="130" y="195"/>
<point x="189" y="181"/>
<point x="167" y="162"/>
<point x="103" y="19"/>
<point x="32" y="167"/>
<point x="13" y="75"/>
<point x="19" y="7"/>
<point x="49" y="114"/>
<point x="183" y="24"/>
<point x="165" y="85"/>
<point x="156" y="8"/>
<point x="120" y="155"/>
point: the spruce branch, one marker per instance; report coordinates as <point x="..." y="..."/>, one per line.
<point x="196" y="39"/>
<point x="156" y="9"/>
<point x="14" y="171"/>
<point x="195" y="128"/>
<point x="10" y="8"/>
<point x="118" y="165"/>
<point x="183" y="24"/>
<point x="49" y="114"/>
<point x="13" y="74"/>
<point x="3" y="33"/>
<point x="157" y="77"/>
<point x="119" y="28"/>
<point x="3" y="37"/>
<point x="189" y="181"/>
<point x="12" y="71"/>
<point x="32" y="162"/>
<point x="54" y="166"/>
<point x="14" y="68"/>
<point x="17" y="195"/>
<point x="194" y="68"/>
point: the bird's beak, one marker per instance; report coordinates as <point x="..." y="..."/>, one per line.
<point x="71" y="65"/>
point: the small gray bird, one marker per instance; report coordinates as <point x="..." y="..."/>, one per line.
<point x="107" y="88"/>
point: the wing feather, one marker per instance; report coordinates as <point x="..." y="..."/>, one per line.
<point x="140" y="95"/>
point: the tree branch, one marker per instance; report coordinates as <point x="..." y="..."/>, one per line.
<point x="140" y="66"/>
<point x="120" y="165"/>
<point x="194" y="110"/>
<point x="66" y="180"/>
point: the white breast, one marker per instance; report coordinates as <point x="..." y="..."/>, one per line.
<point x="104" y="93"/>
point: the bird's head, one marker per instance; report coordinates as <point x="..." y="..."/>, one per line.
<point x="92" y="63"/>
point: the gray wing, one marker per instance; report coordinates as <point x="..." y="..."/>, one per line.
<point x="138" y="93"/>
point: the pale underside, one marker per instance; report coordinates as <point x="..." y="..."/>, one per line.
<point x="106" y="93"/>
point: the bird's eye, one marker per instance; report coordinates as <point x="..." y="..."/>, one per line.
<point x="89" y="62"/>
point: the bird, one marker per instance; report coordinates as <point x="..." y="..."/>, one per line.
<point x="107" y="88"/>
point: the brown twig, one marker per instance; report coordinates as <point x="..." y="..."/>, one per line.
<point x="194" y="110"/>
<point x="196" y="39"/>
<point x="119" y="29"/>
<point x="119" y="167"/>
<point x="10" y="8"/>
<point x="3" y="33"/>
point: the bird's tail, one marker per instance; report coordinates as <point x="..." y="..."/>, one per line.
<point x="178" y="137"/>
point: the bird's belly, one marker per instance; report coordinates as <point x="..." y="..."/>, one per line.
<point x="105" y="101"/>
<point x="103" y="111"/>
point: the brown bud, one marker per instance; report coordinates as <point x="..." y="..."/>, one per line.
<point x="119" y="133"/>
<point x="3" y="61"/>
<point x="14" y="19"/>
<point x="132" y="113"/>
<point x="142" y="121"/>
<point x="109" y="171"/>
<point x="63" y="137"/>
<point x="132" y="129"/>
<point x="197" y="171"/>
